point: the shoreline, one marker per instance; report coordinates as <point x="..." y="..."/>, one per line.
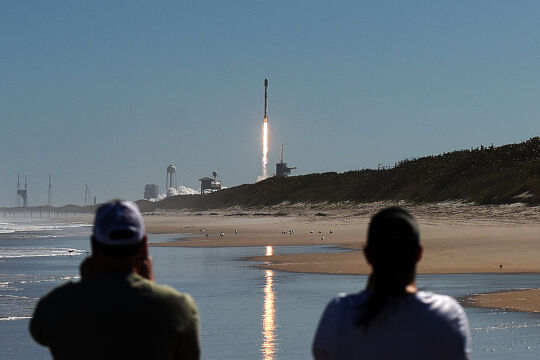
<point x="525" y="300"/>
<point x="457" y="238"/>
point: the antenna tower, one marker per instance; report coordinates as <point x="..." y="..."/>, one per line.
<point x="49" y="197"/>
<point x="18" y="188"/>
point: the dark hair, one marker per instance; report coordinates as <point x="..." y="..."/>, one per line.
<point x="118" y="251"/>
<point x="392" y="249"/>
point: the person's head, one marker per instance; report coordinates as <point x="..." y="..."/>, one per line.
<point x="118" y="231"/>
<point x="393" y="248"/>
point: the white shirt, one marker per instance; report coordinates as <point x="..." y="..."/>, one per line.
<point x="420" y="326"/>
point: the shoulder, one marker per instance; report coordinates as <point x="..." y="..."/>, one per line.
<point x="164" y="295"/>
<point x="337" y="317"/>
<point x="447" y="315"/>
<point x="60" y="293"/>
<point x="341" y="307"/>
<point x="444" y="308"/>
<point x="344" y="300"/>
<point x="47" y="309"/>
<point x="441" y="304"/>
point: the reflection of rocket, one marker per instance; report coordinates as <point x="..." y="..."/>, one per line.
<point x="265" y="100"/>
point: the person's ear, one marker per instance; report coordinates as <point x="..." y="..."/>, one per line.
<point x="144" y="247"/>
<point x="367" y="255"/>
<point x="419" y="253"/>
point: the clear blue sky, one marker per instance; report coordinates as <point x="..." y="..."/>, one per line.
<point x="108" y="93"/>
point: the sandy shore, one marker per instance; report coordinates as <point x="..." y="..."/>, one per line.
<point x="519" y="300"/>
<point x="457" y="237"/>
<point x="470" y="240"/>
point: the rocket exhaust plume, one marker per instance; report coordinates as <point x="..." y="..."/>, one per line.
<point x="265" y="134"/>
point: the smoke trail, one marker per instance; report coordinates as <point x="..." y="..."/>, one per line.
<point x="265" y="149"/>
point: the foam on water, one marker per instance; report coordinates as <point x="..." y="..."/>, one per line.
<point x="11" y="318"/>
<point x="511" y="325"/>
<point x="25" y="227"/>
<point x="16" y="301"/>
<point x="17" y="252"/>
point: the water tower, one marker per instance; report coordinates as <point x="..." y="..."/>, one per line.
<point x="170" y="178"/>
<point x="22" y="193"/>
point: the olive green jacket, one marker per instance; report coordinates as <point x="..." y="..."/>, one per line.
<point x="117" y="316"/>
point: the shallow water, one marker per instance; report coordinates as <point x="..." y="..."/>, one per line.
<point x="246" y="312"/>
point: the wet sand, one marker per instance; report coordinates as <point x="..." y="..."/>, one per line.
<point x="457" y="237"/>
<point x="519" y="300"/>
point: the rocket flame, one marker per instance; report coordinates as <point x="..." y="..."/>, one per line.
<point x="265" y="149"/>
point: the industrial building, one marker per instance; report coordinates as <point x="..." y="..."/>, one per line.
<point x="281" y="167"/>
<point x="151" y="191"/>
<point x="209" y="184"/>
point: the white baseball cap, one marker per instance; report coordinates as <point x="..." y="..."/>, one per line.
<point x="118" y="223"/>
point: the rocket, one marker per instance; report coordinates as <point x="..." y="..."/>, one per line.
<point x="265" y="100"/>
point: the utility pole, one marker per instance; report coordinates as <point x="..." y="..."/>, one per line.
<point x="49" y="196"/>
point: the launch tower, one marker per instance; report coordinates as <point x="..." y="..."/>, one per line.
<point x="281" y="167"/>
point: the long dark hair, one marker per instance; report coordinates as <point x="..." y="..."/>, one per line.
<point x="392" y="249"/>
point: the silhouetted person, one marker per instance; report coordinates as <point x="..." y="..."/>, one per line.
<point x="117" y="311"/>
<point x="391" y="319"/>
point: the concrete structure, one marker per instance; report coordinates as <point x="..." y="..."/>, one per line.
<point x="22" y="194"/>
<point x="151" y="191"/>
<point x="281" y="167"/>
<point x="209" y="185"/>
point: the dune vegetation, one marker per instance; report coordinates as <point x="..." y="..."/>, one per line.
<point x="483" y="175"/>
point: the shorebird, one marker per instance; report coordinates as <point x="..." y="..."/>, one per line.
<point x="311" y="232"/>
<point x="206" y="234"/>
<point x="221" y="233"/>
<point x="322" y="237"/>
<point x="236" y="231"/>
<point x="330" y="231"/>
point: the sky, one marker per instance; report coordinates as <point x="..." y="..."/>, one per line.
<point x="109" y="93"/>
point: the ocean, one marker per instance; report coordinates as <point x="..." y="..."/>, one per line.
<point x="246" y="312"/>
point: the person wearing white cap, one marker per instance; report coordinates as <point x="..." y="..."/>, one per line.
<point x="391" y="318"/>
<point x="117" y="311"/>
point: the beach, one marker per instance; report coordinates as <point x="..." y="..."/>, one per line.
<point x="277" y="311"/>
<point x="519" y="300"/>
<point x="458" y="238"/>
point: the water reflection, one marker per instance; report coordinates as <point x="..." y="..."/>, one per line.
<point x="269" y="251"/>
<point x="270" y="344"/>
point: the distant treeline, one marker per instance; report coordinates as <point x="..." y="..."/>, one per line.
<point x="484" y="175"/>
